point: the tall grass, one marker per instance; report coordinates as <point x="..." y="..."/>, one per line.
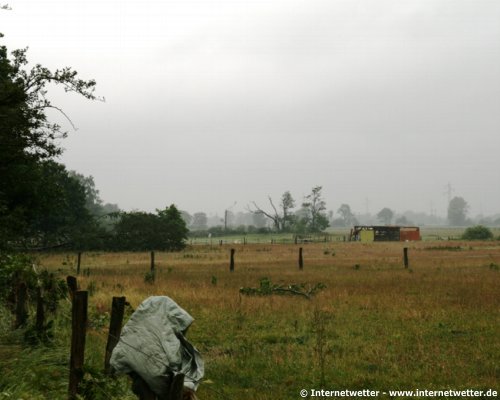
<point x="376" y="325"/>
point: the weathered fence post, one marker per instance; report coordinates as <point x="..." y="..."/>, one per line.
<point x="115" y="329"/>
<point x="301" y="259"/>
<point x="78" y="262"/>
<point x="78" y="331"/>
<point x="72" y="286"/>
<point x="405" y="257"/>
<point x="231" y="261"/>
<point x="153" y="265"/>
<point x="40" y="313"/>
<point x="21" y="312"/>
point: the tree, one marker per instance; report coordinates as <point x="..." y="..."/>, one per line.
<point x="315" y="207"/>
<point x="23" y="103"/>
<point x="58" y="214"/>
<point x="287" y="204"/>
<point x="140" y="231"/>
<point x="173" y="230"/>
<point x="385" y="215"/>
<point x="28" y="145"/>
<point x="274" y="216"/>
<point x="402" y="220"/>
<point x="48" y="210"/>
<point x="282" y="218"/>
<point x="302" y="220"/>
<point x="346" y="215"/>
<point x="457" y="211"/>
<point x="92" y="200"/>
<point x="136" y="231"/>
<point x="104" y="214"/>
<point x="200" y="222"/>
<point x="259" y="220"/>
<point x="188" y="218"/>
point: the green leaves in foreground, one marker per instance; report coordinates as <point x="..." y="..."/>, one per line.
<point x="267" y="288"/>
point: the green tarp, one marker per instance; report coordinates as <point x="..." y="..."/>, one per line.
<point x="153" y="344"/>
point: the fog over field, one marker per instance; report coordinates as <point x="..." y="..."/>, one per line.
<point x="383" y="103"/>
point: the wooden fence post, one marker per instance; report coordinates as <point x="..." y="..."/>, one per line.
<point x="78" y="262"/>
<point x="78" y="331"/>
<point x="152" y="268"/>
<point x="405" y="257"/>
<point x="115" y="329"/>
<point x="72" y="286"/>
<point x="301" y="259"/>
<point x="21" y="312"/>
<point x="231" y="261"/>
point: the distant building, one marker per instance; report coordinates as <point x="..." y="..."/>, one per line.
<point x="373" y="233"/>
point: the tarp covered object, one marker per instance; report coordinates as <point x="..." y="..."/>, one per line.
<point x="152" y="344"/>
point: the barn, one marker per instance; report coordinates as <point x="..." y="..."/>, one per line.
<point x="375" y="233"/>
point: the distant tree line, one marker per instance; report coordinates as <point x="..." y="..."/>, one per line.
<point x="284" y="216"/>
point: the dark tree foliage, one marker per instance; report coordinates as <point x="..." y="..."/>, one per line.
<point x="314" y="207"/>
<point x="478" y="232"/>
<point x="457" y="211"/>
<point x="137" y="231"/>
<point x="174" y="228"/>
<point x="26" y="131"/>
<point x="39" y="202"/>
<point x="385" y="215"/>
<point x="347" y="215"/>
<point x="140" y="231"/>
<point x="58" y="211"/>
<point x="199" y="222"/>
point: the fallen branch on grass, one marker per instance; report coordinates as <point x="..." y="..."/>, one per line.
<point x="267" y="288"/>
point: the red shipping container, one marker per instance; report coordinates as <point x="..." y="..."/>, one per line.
<point x="409" y="233"/>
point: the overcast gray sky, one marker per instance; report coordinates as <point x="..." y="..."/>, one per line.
<point x="383" y="103"/>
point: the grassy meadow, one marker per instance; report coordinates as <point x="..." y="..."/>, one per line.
<point x="375" y="325"/>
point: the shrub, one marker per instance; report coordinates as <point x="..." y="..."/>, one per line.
<point x="15" y="268"/>
<point x="478" y="232"/>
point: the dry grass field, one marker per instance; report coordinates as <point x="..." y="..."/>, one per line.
<point x="376" y="324"/>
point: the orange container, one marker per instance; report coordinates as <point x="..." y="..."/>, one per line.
<point x="409" y="233"/>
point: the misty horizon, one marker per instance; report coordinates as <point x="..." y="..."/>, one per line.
<point x="383" y="104"/>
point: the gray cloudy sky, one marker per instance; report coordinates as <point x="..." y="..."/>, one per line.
<point x="383" y="103"/>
